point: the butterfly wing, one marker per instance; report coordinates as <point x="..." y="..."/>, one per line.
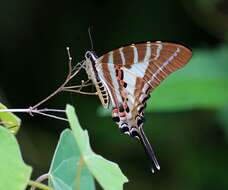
<point x="131" y="73"/>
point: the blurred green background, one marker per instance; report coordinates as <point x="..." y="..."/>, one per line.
<point x="187" y="116"/>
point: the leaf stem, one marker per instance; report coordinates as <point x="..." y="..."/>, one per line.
<point x="39" y="185"/>
<point x="78" y="175"/>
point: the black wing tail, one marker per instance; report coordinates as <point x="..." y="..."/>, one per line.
<point x="148" y="149"/>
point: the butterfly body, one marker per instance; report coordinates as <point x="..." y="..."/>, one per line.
<point x="126" y="120"/>
<point x="125" y="77"/>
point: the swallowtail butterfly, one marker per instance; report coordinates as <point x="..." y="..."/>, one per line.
<point x="125" y="77"/>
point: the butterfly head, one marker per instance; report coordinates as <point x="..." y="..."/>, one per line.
<point x="90" y="63"/>
<point x="91" y="55"/>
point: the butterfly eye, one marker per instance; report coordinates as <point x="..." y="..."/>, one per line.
<point x="124" y="128"/>
<point x="134" y="133"/>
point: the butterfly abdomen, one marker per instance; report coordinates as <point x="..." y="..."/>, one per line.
<point x="102" y="93"/>
<point x="92" y="72"/>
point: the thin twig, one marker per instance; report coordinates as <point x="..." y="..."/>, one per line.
<point x="51" y="110"/>
<point x="83" y="84"/>
<point x="81" y="92"/>
<point x="70" y="61"/>
<point x="68" y="78"/>
<point x="76" y="72"/>
<point x="50" y="115"/>
<point x="72" y="72"/>
<point x="78" y="65"/>
<point x="55" y="92"/>
<point x="77" y="86"/>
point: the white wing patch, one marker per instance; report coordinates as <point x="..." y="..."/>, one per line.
<point x="130" y="79"/>
<point x="148" y="52"/>
<point x="122" y="56"/>
<point x="136" y="57"/>
<point x="138" y="69"/>
<point x="159" y="48"/>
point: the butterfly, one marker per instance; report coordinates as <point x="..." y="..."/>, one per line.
<point x="125" y="77"/>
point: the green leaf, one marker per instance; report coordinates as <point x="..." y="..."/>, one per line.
<point x="202" y="83"/>
<point x="9" y="120"/>
<point x="65" y="166"/>
<point x="14" y="173"/>
<point x="107" y="173"/>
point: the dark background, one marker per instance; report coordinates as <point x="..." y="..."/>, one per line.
<point x="191" y="144"/>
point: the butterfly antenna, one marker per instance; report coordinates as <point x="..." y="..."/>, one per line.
<point x="148" y="149"/>
<point x="90" y="37"/>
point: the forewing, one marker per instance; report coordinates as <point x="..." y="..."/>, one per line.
<point x="144" y="66"/>
<point x="130" y="73"/>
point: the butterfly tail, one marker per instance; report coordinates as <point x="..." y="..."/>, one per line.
<point x="148" y="149"/>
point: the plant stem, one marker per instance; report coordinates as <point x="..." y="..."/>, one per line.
<point x="28" y="110"/>
<point x="39" y="185"/>
<point x="38" y="111"/>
